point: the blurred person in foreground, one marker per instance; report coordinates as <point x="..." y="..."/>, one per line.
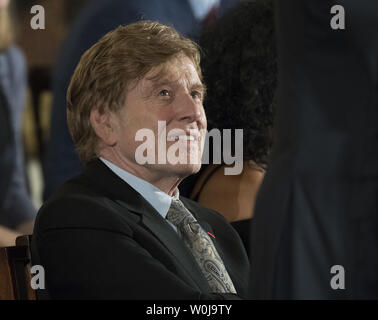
<point x="121" y="228"/>
<point x="315" y="231"/>
<point x="16" y="209"/>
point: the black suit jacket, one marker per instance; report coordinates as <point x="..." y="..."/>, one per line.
<point x="317" y="206"/>
<point x="97" y="238"/>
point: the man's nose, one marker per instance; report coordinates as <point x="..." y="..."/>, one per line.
<point x="191" y="110"/>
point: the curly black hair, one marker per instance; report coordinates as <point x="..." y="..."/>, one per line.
<point x="239" y="69"/>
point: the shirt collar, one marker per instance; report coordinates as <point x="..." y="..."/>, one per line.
<point x="158" y="199"/>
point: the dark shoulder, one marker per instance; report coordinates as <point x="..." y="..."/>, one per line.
<point x="80" y="186"/>
<point x="78" y="204"/>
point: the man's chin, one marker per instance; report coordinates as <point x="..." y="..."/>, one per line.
<point x="180" y="170"/>
<point x="184" y="170"/>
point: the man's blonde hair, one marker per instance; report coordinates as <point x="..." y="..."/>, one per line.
<point x="105" y="71"/>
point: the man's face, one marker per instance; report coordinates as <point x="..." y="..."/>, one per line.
<point x="172" y="93"/>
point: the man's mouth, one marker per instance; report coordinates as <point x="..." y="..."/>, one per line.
<point x="184" y="137"/>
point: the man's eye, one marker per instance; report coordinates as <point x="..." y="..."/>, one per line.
<point x="164" y="93"/>
<point x="196" y="95"/>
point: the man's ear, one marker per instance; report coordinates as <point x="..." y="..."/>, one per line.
<point x="104" y="126"/>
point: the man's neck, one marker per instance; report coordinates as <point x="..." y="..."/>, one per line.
<point x="167" y="184"/>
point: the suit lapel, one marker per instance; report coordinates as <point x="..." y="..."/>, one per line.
<point x="165" y="233"/>
<point x="127" y="197"/>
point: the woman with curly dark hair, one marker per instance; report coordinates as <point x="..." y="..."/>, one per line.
<point x="239" y="68"/>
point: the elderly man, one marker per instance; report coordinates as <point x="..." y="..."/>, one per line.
<point x="120" y="230"/>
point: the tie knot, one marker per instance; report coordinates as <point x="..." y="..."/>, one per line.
<point x="181" y="217"/>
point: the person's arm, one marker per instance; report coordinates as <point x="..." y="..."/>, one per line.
<point x="26" y="228"/>
<point x="6" y="148"/>
<point x="8" y="236"/>
<point x="232" y="196"/>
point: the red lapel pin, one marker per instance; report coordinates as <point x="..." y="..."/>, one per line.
<point x="211" y="235"/>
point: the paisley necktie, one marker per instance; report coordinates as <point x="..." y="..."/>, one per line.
<point x="202" y="248"/>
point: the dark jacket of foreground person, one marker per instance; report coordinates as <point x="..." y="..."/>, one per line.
<point x="317" y="207"/>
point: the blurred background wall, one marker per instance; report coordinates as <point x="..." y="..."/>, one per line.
<point x="40" y="48"/>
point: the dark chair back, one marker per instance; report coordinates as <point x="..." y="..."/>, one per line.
<point x="15" y="278"/>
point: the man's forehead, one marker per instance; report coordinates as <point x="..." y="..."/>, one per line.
<point x="174" y="70"/>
